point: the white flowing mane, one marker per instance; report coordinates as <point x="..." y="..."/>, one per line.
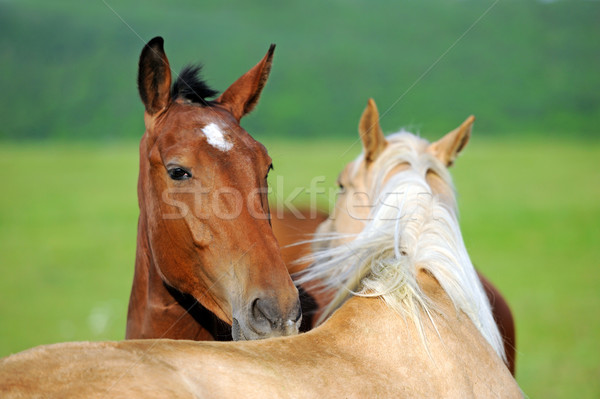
<point x="409" y="229"/>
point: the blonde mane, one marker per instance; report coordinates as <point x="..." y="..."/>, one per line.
<point x="410" y="229"/>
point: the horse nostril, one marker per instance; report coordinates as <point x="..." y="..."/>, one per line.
<point x="267" y="312"/>
<point x="268" y="318"/>
<point x="298" y="311"/>
<point x="258" y="312"/>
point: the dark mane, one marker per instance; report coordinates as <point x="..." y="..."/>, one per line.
<point x="191" y="87"/>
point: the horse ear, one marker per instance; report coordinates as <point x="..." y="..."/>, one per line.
<point x="372" y="137"/>
<point x="154" y="76"/>
<point x="241" y="97"/>
<point x="448" y="147"/>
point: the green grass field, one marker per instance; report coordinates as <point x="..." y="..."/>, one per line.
<point x="529" y="211"/>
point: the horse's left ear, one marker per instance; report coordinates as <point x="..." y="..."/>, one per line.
<point x="448" y="147"/>
<point x="374" y="141"/>
<point x="241" y="97"/>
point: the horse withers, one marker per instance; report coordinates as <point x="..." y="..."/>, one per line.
<point x="206" y="256"/>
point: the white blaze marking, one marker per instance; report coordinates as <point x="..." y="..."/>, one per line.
<point x="216" y="138"/>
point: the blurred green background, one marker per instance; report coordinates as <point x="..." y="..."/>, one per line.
<point x="528" y="184"/>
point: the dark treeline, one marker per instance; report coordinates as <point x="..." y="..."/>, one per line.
<point x="522" y="67"/>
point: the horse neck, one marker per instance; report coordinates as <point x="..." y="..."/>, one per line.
<point x="157" y="311"/>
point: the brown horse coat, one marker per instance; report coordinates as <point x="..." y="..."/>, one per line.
<point x="206" y="255"/>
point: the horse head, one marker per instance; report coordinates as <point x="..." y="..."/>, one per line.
<point x="361" y="180"/>
<point x="203" y="198"/>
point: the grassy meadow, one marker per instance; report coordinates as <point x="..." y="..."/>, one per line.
<point x="529" y="212"/>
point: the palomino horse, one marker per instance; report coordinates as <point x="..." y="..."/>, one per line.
<point x="203" y="231"/>
<point x="292" y="233"/>
<point x="419" y="324"/>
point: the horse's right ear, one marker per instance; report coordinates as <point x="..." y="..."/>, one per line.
<point x="374" y="141"/>
<point x="154" y="76"/>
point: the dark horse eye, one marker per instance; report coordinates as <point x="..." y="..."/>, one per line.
<point x="179" y="174"/>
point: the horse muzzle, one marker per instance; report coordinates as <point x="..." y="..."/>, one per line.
<point x="264" y="319"/>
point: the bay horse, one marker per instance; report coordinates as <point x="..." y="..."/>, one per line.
<point x="410" y="318"/>
<point x="206" y="256"/>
